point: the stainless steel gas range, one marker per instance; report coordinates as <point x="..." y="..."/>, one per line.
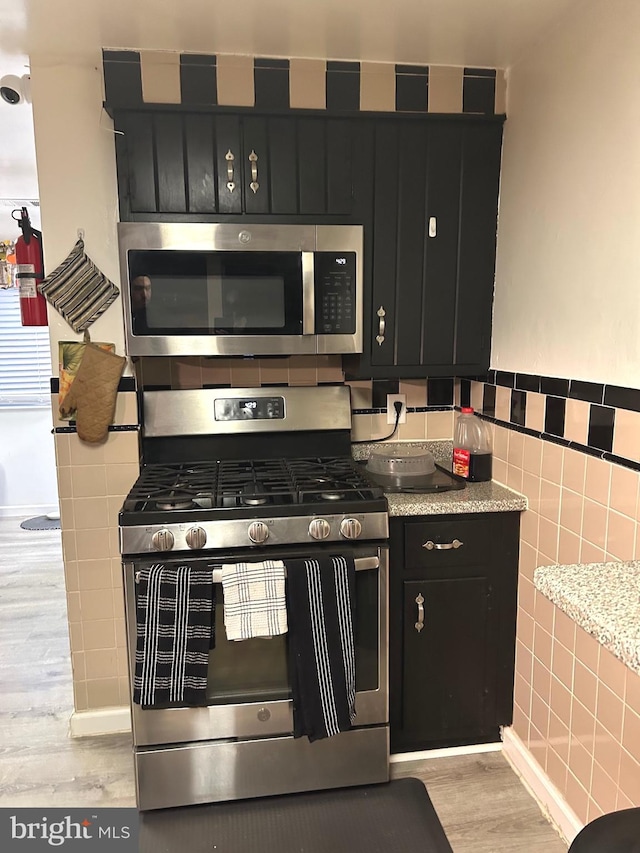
<point x="245" y="475"/>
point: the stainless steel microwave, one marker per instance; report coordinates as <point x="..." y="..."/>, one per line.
<point x="241" y="289"/>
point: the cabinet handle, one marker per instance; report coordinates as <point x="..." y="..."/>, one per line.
<point x="430" y="545"/>
<point x="420" y="623"/>
<point x="253" y="159"/>
<point x="381" y="325"/>
<point x="231" y="185"/>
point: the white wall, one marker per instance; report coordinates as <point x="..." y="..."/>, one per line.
<point x="75" y="153"/>
<point x="77" y="189"/>
<point x="27" y="463"/>
<point x="567" y="299"/>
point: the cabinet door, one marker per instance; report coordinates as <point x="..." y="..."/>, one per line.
<point x="255" y="169"/>
<point x="175" y="163"/>
<point x="135" y="163"/>
<point x="480" y="180"/>
<point x="200" y="165"/>
<point x="434" y="231"/>
<point x="449" y="669"/>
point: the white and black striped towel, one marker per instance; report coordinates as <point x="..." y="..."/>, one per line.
<point x="254" y="599"/>
<point x="175" y="630"/>
<point x="322" y="667"/>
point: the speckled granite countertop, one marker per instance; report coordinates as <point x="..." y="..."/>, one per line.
<point x="475" y="497"/>
<point x="603" y="598"/>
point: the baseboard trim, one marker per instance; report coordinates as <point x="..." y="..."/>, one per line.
<point x="445" y="752"/>
<point x="106" y="721"/>
<point x="533" y="777"/>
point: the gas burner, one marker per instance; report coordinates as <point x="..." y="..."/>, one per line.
<point x="171" y="504"/>
<point x="252" y="494"/>
<point x="332" y="496"/>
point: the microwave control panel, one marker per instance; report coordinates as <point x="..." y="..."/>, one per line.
<point x="335" y="292"/>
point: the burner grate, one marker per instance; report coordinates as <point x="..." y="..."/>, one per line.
<point x="249" y="483"/>
<point x="253" y="483"/>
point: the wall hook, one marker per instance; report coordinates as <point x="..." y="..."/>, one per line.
<point x="81" y="234"/>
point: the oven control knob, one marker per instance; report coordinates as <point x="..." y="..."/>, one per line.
<point x="319" y="528"/>
<point x="350" y="528"/>
<point x="258" y="532"/>
<point x="196" y="538"/>
<point x="163" y="540"/>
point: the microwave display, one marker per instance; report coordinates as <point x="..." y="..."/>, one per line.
<point x="215" y="292"/>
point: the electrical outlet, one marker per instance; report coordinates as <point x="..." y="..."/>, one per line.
<point x="391" y="412"/>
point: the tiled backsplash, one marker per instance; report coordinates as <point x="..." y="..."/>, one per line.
<point x="196" y="372"/>
<point x="596" y="419"/>
<point x="573" y="448"/>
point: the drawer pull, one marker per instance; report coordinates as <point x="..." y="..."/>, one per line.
<point x="430" y="545"/>
<point x="420" y="623"/>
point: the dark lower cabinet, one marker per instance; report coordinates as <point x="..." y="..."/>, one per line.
<point x="452" y="628"/>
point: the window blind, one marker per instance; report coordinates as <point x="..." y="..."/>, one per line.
<point x="25" y="358"/>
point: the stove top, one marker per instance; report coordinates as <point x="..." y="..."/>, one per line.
<point x="215" y="479"/>
<point x="240" y="503"/>
<point x="165" y="491"/>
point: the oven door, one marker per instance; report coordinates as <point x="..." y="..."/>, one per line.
<point x="248" y="687"/>
<point x="231" y="302"/>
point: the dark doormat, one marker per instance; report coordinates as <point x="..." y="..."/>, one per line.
<point x="40" y="522"/>
<point x="392" y="817"/>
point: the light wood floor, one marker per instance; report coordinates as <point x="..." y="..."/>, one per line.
<point x="480" y="801"/>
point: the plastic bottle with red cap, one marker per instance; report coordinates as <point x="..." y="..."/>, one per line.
<point x="472" y="452"/>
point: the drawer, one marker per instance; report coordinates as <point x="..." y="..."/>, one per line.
<point x="457" y="542"/>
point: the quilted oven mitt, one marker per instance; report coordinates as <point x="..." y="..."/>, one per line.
<point x="93" y="393"/>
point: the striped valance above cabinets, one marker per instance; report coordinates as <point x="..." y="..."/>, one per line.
<point x="133" y="78"/>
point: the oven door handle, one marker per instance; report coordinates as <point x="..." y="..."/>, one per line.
<point x="361" y="564"/>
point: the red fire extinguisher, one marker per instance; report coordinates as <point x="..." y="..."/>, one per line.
<point x="30" y="271"/>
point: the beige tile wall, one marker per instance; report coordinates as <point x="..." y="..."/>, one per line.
<point x="92" y="483"/>
<point x="92" y="487"/>
<point x="251" y="372"/>
<point x="577" y="707"/>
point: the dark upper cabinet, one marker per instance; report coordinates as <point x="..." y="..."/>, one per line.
<point x="452" y="628"/>
<point x="189" y="164"/>
<point x="432" y="247"/>
<point x="425" y="188"/>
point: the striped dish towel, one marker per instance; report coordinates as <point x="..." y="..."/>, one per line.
<point x="322" y="666"/>
<point x="175" y="630"/>
<point x="254" y="599"/>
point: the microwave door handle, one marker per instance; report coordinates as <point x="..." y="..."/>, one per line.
<point x="308" y="299"/>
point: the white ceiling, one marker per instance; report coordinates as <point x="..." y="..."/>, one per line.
<point x="440" y="32"/>
<point x="478" y="33"/>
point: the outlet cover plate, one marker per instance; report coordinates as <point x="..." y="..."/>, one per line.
<point x="391" y="412"/>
